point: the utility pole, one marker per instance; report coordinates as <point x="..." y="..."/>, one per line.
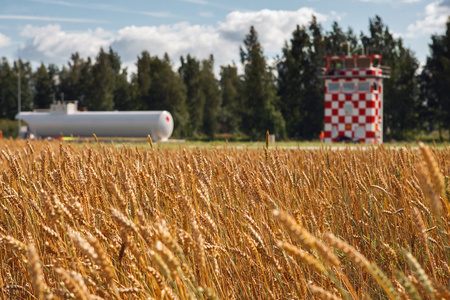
<point x="348" y="47"/>
<point x="19" y="92"/>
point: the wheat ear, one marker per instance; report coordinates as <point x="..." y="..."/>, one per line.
<point x="73" y="284"/>
<point x="40" y="288"/>
<point x="423" y="236"/>
<point x="150" y="141"/>
<point x="363" y="263"/>
<point x="408" y="286"/>
<point x="321" y="293"/>
<point x="307" y="240"/>
<point x="423" y="278"/>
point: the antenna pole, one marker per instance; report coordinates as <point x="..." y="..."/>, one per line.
<point x="19" y="92"/>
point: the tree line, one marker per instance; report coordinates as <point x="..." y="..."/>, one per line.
<point x="286" y="98"/>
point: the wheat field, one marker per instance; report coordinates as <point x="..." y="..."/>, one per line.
<point x="99" y="221"/>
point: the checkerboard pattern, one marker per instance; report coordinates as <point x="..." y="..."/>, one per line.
<point x="356" y="115"/>
<point x="360" y="73"/>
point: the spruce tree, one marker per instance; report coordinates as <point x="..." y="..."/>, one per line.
<point x="26" y="75"/>
<point x="195" y="99"/>
<point x="299" y="88"/>
<point x="43" y="90"/>
<point x="142" y="81"/>
<point x="291" y="85"/>
<point x="401" y="103"/>
<point x="259" y="92"/>
<point x="230" y="117"/>
<point x="8" y="90"/>
<point x="100" y="95"/>
<point x="435" y="83"/>
<point x="336" y="41"/>
<point x="400" y="90"/>
<point x="123" y="93"/>
<point x="168" y="92"/>
<point x="75" y="80"/>
<point x="210" y="89"/>
<point x="314" y="94"/>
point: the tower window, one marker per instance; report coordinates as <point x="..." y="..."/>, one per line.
<point x="333" y="87"/>
<point x="348" y="87"/>
<point x="363" y="87"/>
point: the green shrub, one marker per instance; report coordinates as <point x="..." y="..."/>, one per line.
<point x="9" y="128"/>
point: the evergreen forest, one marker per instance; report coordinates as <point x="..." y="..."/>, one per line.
<point x="286" y="97"/>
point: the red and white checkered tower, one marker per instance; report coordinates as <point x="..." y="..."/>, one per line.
<point x="354" y="98"/>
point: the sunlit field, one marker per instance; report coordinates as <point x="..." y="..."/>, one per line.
<point x="112" y="220"/>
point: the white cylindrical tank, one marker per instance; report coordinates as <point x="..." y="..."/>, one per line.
<point x="159" y="124"/>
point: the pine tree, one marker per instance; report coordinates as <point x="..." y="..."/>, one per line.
<point x="43" y="88"/>
<point x="400" y="90"/>
<point x="195" y="99"/>
<point x="75" y="81"/>
<point x="435" y="82"/>
<point x="26" y="74"/>
<point x="314" y="94"/>
<point x="100" y="95"/>
<point x="8" y="90"/>
<point x="230" y="86"/>
<point x="142" y="81"/>
<point x="259" y="92"/>
<point x="299" y="88"/>
<point x="291" y="85"/>
<point x="210" y="89"/>
<point x="123" y="93"/>
<point x="336" y="41"/>
<point x="167" y="92"/>
<point x="54" y="75"/>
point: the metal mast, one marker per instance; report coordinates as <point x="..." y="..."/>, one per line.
<point x="19" y="92"/>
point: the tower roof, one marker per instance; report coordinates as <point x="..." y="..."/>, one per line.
<point x="355" y="66"/>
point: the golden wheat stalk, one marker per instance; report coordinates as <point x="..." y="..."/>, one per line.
<point x="424" y="281"/>
<point x="40" y="288"/>
<point x="321" y="293"/>
<point x="74" y="283"/>
<point x="307" y="239"/>
<point x="424" y="237"/>
<point x="304" y="257"/>
<point x="150" y="141"/>
<point x="433" y="168"/>
<point x="408" y="286"/>
<point x="363" y="263"/>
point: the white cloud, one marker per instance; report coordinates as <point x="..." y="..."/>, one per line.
<point x="206" y="14"/>
<point x="336" y="16"/>
<point x="202" y="2"/>
<point x="436" y="16"/>
<point x="391" y="1"/>
<point x="273" y="27"/>
<point x="52" y="44"/>
<point x="156" y="14"/>
<point x="176" y="40"/>
<point x="4" y="40"/>
<point x="63" y="3"/>
<point x="93" y="6"/>
<point x="46" y="19"/>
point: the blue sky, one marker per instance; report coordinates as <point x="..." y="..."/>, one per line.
<point x="49" y="31"/>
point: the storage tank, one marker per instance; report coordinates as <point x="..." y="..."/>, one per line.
<point x="65" y="119"/>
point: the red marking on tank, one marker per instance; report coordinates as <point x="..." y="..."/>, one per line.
<point x="167" y="119"/>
